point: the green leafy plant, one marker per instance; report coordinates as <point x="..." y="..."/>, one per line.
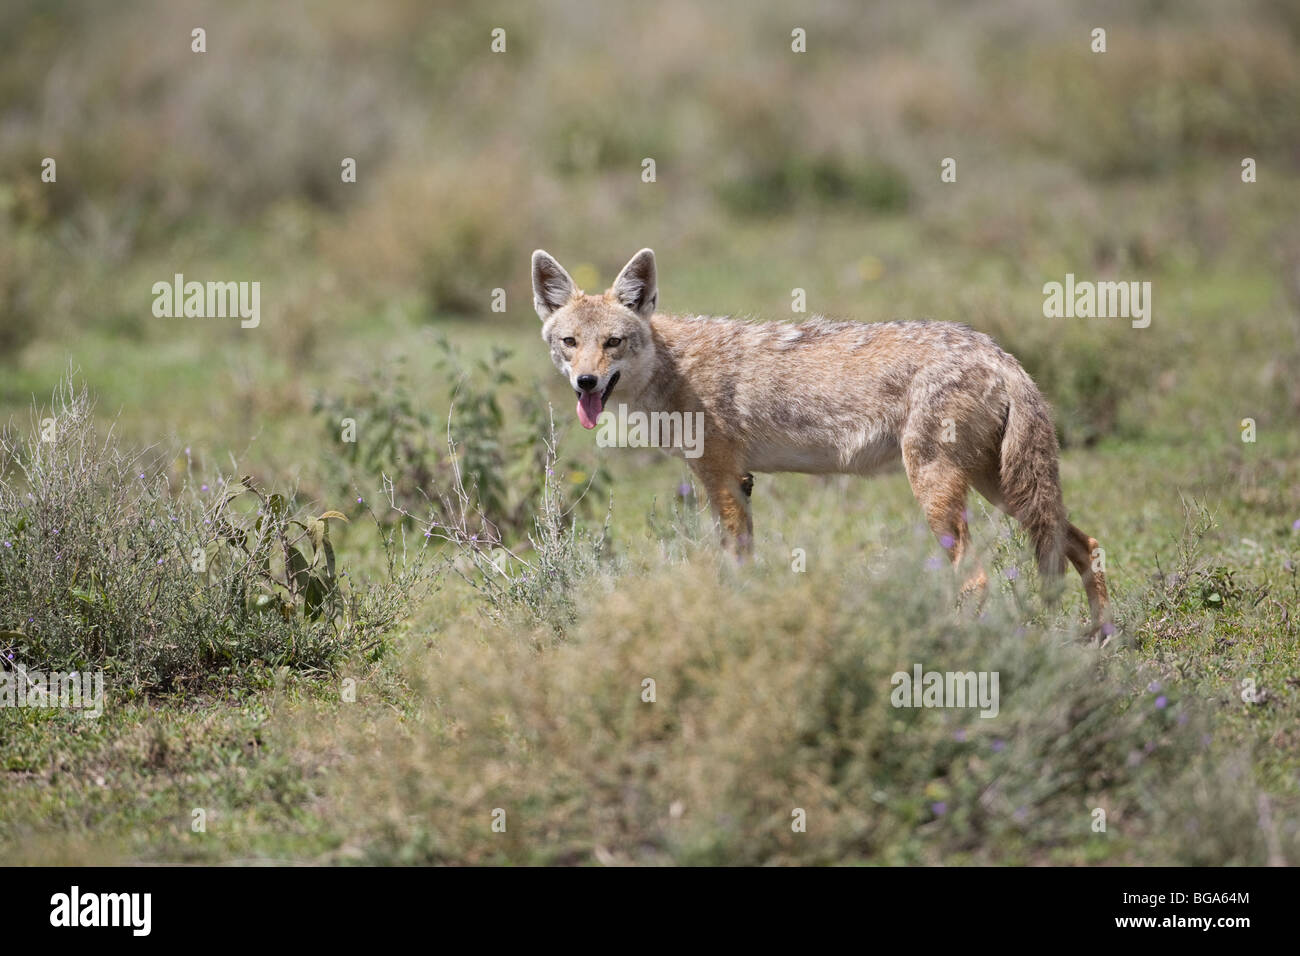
<point x="502" y="463"/>
<point x="123" y="560"/>
<point x="273" y="543"/>
<point x="543" y="580"/>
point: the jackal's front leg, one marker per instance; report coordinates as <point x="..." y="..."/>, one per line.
<point x="729" y="488"/>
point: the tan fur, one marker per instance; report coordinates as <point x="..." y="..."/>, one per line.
<point x="829" y="397"/>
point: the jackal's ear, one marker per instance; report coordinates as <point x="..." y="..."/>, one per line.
<point x="637" y="286"/>
<point x="552" y="286"/>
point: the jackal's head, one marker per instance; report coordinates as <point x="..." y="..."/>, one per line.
<point x="598" y="341"/>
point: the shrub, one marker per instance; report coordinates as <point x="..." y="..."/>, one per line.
<point x="473" y="464"/>
<point x="18" y="323"/>
<point x="108" y="561"/>
<point x="779" y="185"/>
<point x="564" y="561"/>
<point x="1165" y="96"/>
<point x="437" y="231"/>
<point x="772" y="691"/>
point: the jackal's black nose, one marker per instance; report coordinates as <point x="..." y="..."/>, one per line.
<point x="587" y="382"/>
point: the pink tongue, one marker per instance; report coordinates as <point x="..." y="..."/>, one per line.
<point x="589" y="408"/>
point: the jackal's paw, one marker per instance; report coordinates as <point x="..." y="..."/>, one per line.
<point x="972" y="595"/>
<point x="976" y="586"/>
<point x="1101" y="632"/>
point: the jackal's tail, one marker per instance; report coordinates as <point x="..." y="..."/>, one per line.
<point x="1029" y="478"/>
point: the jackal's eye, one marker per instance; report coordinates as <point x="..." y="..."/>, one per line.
<point x="613" y="343"/>
<point x="570" y="341"/>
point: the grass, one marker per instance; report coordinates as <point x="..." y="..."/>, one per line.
<point x="516" y="684"/>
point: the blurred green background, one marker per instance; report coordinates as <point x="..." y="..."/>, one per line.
<point x="775" y="170"/>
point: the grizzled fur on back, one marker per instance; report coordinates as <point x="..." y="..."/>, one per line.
<point x="821" y="396"/>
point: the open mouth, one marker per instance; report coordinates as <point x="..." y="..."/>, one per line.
<point x="591" y="404"/>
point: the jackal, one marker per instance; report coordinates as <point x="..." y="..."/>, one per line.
<point x="826" y="397"/>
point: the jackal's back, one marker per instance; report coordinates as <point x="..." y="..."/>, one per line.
<point x="837" y="396"/>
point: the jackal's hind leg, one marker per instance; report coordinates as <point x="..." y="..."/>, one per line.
<point x="1084" y="553"/>
<point x="941" y="491"/>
